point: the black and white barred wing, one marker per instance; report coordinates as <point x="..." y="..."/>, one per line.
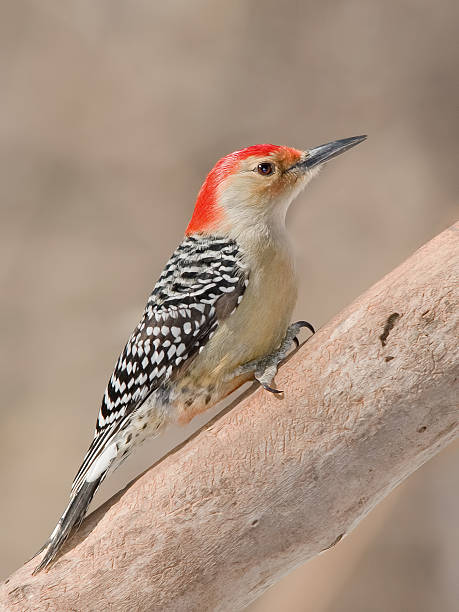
<point x="201" y="285"/>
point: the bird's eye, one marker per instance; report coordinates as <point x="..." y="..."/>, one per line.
<point x="265" y="168"/>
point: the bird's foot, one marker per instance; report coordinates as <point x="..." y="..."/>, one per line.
<point x="265" y="369"/>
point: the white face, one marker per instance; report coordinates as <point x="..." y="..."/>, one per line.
<point x="258" y="194"/>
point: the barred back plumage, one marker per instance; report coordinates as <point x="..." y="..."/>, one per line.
<point x="180" y="316"/>
<point x="191" y="296"/>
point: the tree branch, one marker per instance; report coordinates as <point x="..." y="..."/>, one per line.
<point x="273" y="482"/>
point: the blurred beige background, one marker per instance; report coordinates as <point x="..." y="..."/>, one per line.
<point x="111" y="114"/>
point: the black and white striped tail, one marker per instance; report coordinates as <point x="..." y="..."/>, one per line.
<point x="72" y="517"/>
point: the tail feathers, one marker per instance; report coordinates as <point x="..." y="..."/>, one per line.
<point x="72" y="517"/>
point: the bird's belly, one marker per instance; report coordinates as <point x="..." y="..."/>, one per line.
<point x="259" y="323"/>
<point x="256" y="328"/>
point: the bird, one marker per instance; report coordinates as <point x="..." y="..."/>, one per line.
<point x="218" y="316"/>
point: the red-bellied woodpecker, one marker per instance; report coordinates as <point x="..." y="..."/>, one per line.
<point x="218" y="316"/>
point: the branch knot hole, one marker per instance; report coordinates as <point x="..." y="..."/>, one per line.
<point x="388" y="327"/>
<point x="335" y="542"/>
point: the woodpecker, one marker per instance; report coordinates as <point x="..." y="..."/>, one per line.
<point x="218" y="316"/>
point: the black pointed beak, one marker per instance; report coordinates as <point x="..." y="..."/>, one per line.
<point x="325" y="152"/>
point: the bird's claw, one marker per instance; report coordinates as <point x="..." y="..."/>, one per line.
<point x="266" y="387"/>
<point x="299" y="325"/>
<point x="266" y="367"/>
<point x="307" y="325"/>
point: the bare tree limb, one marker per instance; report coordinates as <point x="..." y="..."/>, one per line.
<point x="273" y="482"/>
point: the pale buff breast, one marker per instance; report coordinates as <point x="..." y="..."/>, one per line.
<point x="259" y="323"/>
